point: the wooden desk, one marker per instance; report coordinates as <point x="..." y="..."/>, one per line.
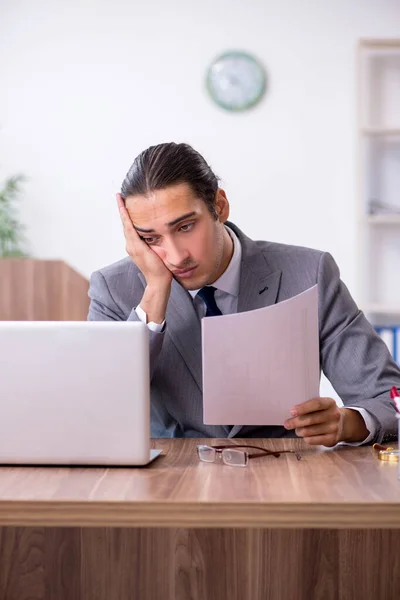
<point x="326" y="527"/>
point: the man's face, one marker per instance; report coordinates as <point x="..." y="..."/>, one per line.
<point x="180" y="229"/>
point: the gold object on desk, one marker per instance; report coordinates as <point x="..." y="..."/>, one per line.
<point x="380" y="447"/>
<point x="389" y="455"/>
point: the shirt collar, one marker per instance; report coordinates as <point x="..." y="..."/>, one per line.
<point x="230" y="278"/>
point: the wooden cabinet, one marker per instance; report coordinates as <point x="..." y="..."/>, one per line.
<point x="326" y="527"/>
<point x="41" y="290"/>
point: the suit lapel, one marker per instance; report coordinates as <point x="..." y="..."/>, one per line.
<point x="257" y="292"/>
<point x="258" y="286"/>
<point x="185" y="329"/>
<point x="185" y="332"/>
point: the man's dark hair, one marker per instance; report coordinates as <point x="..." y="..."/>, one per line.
<point x="169" y="164"/>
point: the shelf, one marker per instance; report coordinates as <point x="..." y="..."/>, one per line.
<point x="382" y="309"/>
<point x="392" y="44"/>
<point x="377" y="132"/>
<point x="383" y="219"/>
<point x="378" y="165"/>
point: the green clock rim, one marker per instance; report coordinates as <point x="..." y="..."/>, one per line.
<point x="249" y="57"/>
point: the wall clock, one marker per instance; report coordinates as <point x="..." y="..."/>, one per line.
<point x="236" y="80"/>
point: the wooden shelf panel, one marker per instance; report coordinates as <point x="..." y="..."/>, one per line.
<point x="378" y="132"/>
<point x="383" y="219"/>
<point x="384" y="44"/>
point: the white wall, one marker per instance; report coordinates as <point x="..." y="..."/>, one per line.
<point x="86" y="85"/>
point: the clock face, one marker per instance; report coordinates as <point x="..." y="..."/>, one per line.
<point x="236" y="81"/>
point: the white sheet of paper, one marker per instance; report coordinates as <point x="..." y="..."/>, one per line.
<point x="258" y="364"/>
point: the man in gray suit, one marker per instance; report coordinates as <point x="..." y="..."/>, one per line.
<point x="187" y="261"/>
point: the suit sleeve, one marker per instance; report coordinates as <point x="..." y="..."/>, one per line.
<point x="104" y="308"/>
<point x="353" y="357"/>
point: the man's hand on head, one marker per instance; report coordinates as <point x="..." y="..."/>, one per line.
<point x="151" y="265"/>
<point x="158" y="277"/>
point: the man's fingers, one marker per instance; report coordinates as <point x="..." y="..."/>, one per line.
<point x="318" y="421"/>
<point x="321" y="429"/>
<point x="126" y="220"/>
<point x="120" y="202"/>
<point x="122" y="209"/>
<point x="313" y="405"/>
<point x="321" y="416"/>
<point x="143" y="256"/>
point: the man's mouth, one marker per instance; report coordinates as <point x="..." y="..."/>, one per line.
<point x="184" y="272"/>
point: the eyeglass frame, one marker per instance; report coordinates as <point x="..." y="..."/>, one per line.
<point x="263" y="452"/>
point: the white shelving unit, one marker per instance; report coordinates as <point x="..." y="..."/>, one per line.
<point x="379" y="180"/>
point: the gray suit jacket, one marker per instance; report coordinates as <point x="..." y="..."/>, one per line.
<point x="352" y="355"/>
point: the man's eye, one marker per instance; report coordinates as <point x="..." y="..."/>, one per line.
<point x="187" y="227"/>
<point x="149" y="240"/>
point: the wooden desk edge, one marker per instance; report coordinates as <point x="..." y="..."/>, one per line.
<point x="200" y="515"/>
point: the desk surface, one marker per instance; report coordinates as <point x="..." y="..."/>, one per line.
<point x="343" y="488"/>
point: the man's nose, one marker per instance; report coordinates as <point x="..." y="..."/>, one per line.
<point x="176" y="255"/>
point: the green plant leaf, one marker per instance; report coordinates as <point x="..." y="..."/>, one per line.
<point x="11" y="237"/>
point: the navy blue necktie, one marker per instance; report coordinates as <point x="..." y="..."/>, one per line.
<point x="207" y="295"/>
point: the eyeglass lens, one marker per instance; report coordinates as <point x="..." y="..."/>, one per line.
<point x="235" y="458"/>
<point x="206" y="453"/>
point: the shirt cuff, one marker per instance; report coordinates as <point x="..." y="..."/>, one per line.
<point x="156" y="327"/>
<point x="369" y="423"/>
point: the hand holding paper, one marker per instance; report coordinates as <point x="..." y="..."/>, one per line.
<point x="258" y="364"/>
<point x="319" y="421"/>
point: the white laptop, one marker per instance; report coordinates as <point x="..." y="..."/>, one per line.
<point x="74" y="393"/>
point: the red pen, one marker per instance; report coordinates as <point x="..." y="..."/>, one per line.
<point x="394" y="394"/>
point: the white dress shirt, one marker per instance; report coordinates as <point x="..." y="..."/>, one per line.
<point x="226" y="298"/>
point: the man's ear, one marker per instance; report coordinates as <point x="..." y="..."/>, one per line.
<point x="222" y="205"/>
